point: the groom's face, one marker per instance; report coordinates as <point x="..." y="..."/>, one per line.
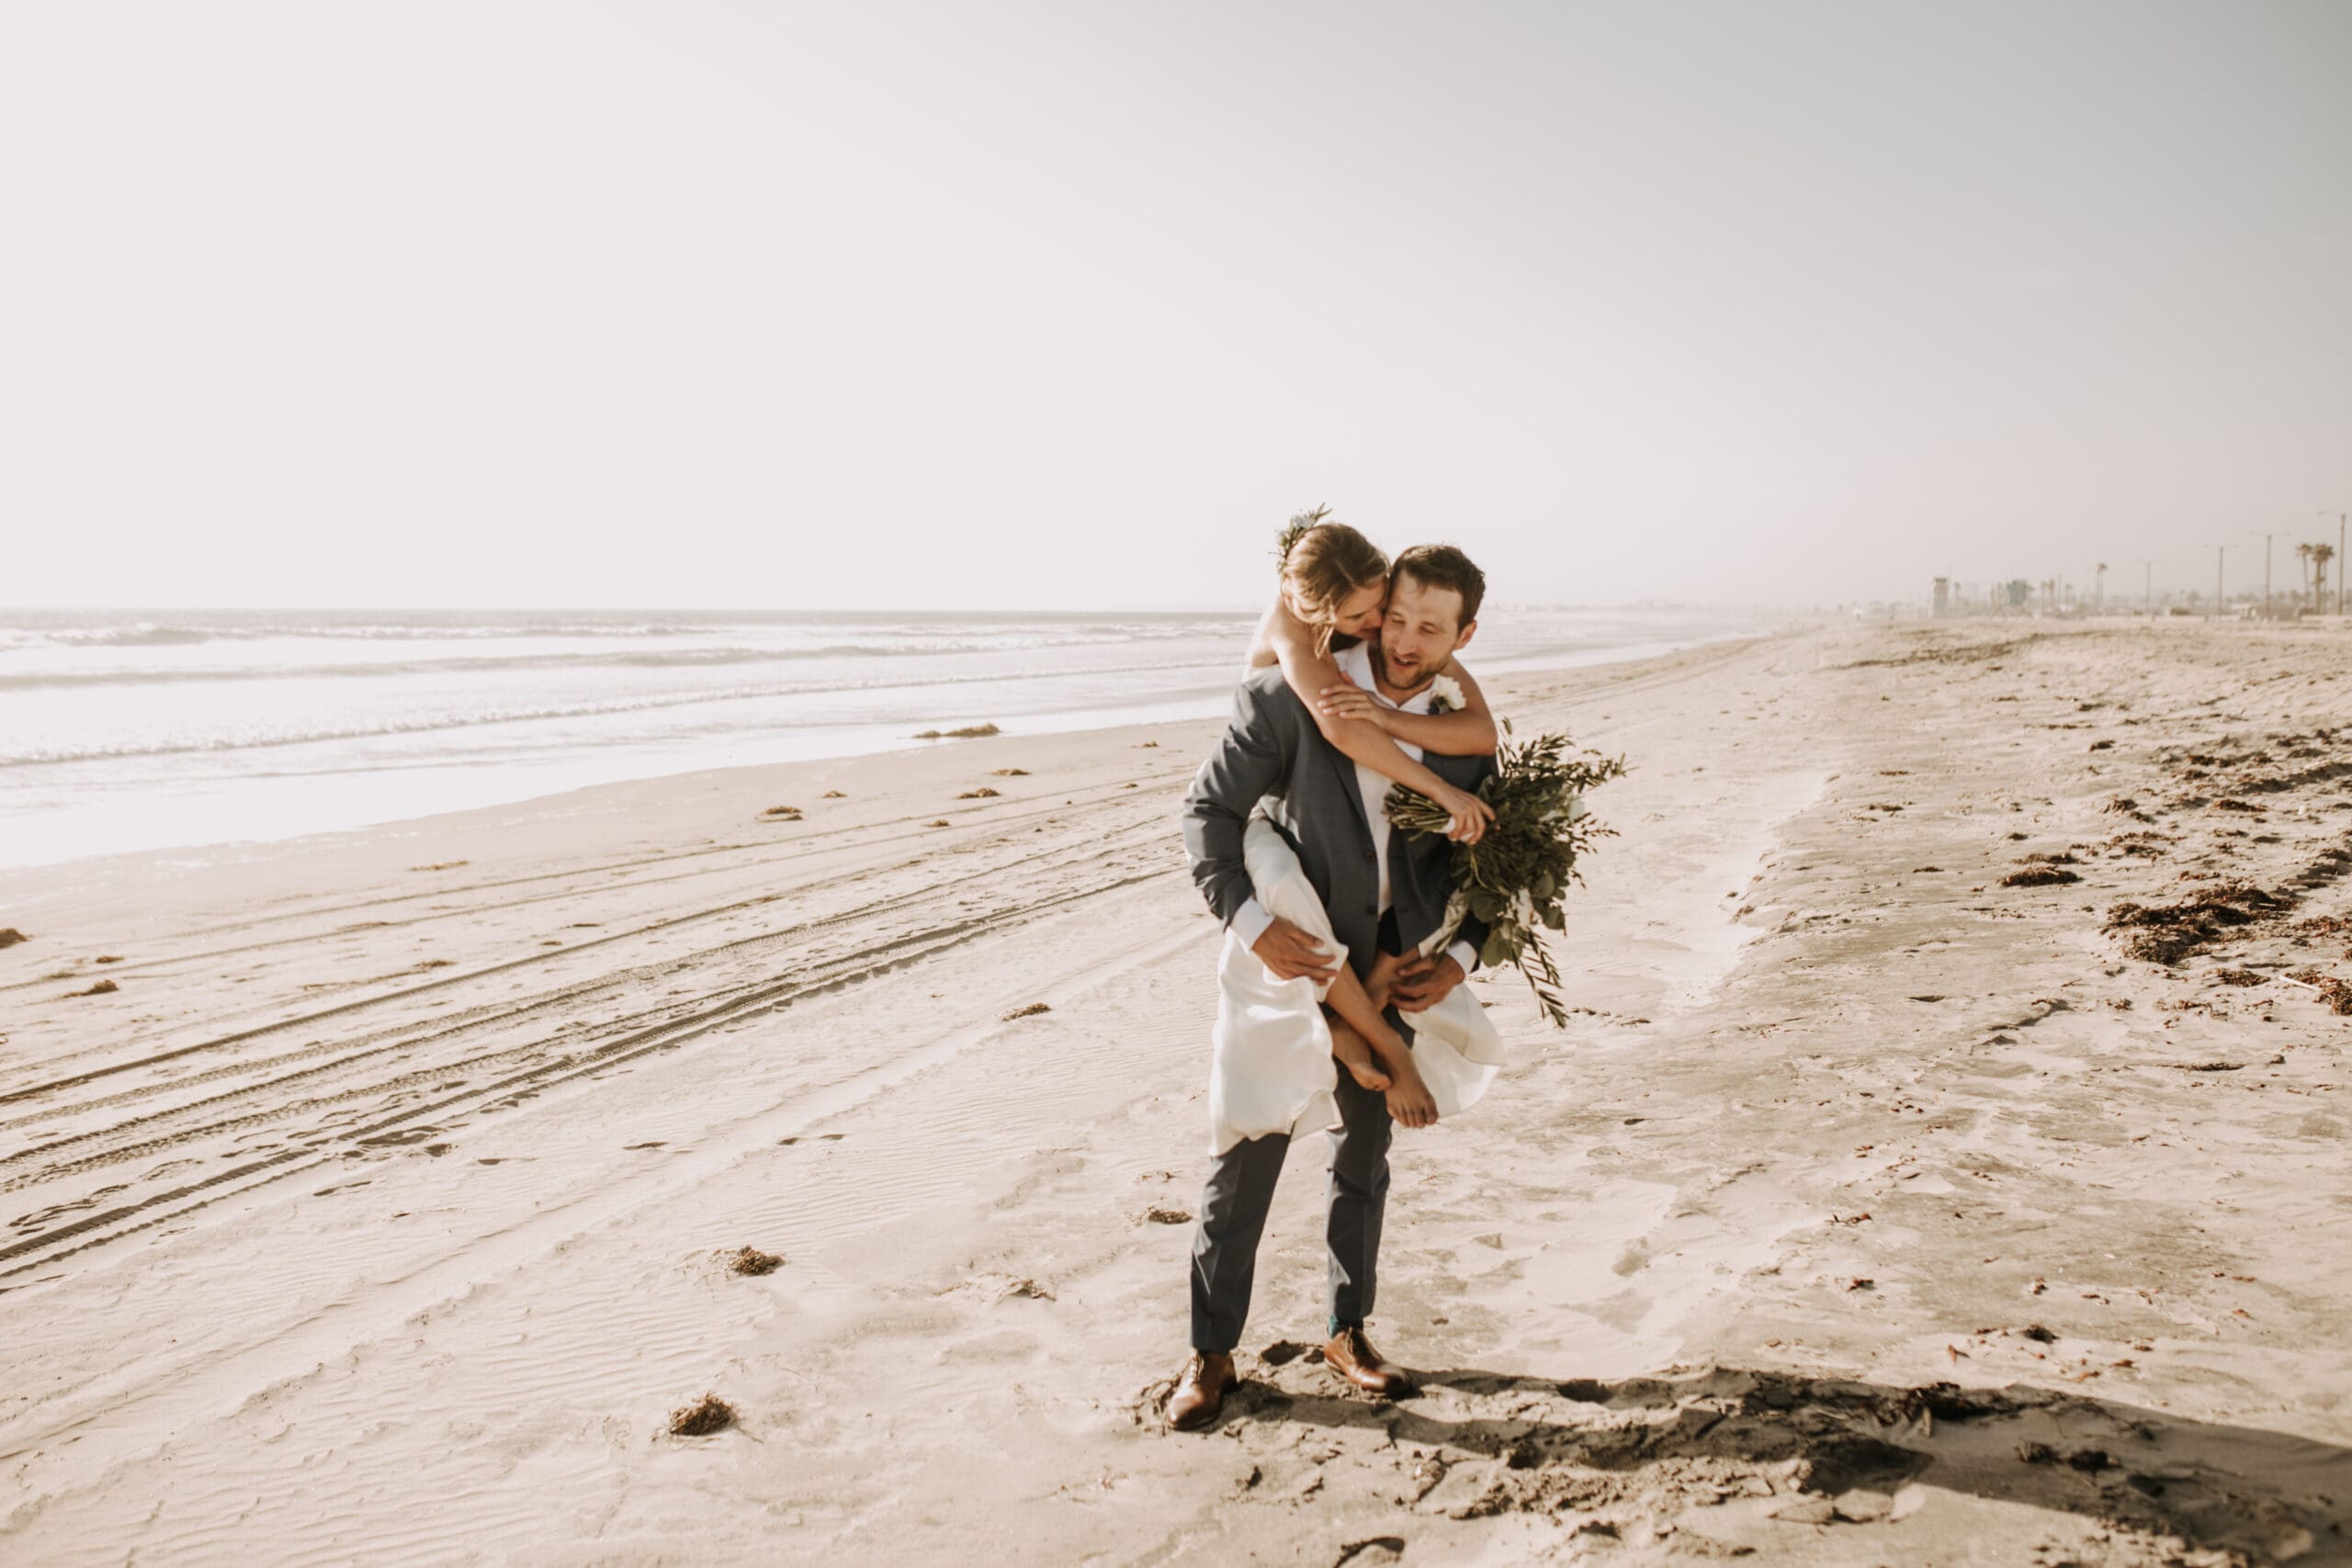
<point x="1419" y="633"/>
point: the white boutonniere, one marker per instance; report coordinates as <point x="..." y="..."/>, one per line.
<point x="1445" y="694"/>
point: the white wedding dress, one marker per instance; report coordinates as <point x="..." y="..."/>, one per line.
<point x="1273" y="1070"/>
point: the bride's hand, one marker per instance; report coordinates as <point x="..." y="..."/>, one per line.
<point x="1346" y="701"/>
<point x="1470" y="815"/>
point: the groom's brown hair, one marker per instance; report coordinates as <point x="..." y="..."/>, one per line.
<point x="1442" y="565"/>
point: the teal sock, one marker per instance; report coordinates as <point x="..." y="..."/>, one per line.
<point x="1339" y="1323"/>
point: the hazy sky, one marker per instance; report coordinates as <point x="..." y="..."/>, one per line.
<point x="1015" y="304"/>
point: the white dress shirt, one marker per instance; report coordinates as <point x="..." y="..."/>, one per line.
<point x="1250" y="920"/>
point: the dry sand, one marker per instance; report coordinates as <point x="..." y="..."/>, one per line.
<point x="1871" y="1211"/>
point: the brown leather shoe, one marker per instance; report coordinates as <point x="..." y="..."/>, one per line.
<point x="1200" y="1392"/>
<point x="1350" y="1355"/>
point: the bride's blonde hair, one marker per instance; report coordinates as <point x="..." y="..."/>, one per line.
<point x="1323" y="564"/>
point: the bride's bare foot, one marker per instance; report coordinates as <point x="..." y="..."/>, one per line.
<point x="1355" y="1056"/>
<point x="1410" y="1102"/>
<point x="1382" y="977"/>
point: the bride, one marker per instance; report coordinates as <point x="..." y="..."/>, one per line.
<point x="1334" y="584"/>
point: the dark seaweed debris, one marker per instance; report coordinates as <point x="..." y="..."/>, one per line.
<point x="704" y="1415"/>
<point x="2166" y="933"/>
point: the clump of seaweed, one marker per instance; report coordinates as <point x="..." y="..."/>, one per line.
<point x="704" y="1415"/>
<point x="752" y="1261"/>
<point x="2336" y="993"/>
<point x="2149" y="846"/>
<point x="2166" y="933"/>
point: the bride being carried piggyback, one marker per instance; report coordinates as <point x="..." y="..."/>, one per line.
<point x="1343" y="943"/>
<point x="1339" y="628"/>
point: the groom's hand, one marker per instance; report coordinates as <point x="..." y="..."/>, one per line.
<point x="1425" y="982"/>
<point x="1289" y="953"/>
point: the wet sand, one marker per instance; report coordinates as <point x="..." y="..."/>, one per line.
<point x="1876" y="1207"/>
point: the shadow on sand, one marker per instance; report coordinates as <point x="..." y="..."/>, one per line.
<point x="1834" y="1451"/>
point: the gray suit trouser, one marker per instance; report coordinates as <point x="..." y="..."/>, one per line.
<point x="1241" y="1189"/>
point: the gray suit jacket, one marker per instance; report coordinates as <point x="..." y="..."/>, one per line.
<point x="1273" y="748"/>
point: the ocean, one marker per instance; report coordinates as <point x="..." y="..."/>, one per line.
<point x="124" y="730"/>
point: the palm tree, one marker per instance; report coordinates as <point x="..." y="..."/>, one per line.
<point x="2320" y="555"/>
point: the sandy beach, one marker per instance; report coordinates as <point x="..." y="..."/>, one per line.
<point x="1943" y="1163"/>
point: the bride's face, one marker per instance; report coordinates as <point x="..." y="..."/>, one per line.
<point x="1360" y="612"/>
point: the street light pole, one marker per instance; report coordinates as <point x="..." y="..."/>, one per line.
<point x="2219" y="550"/>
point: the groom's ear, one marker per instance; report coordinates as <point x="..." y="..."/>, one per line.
<point x="1464" y="640"/>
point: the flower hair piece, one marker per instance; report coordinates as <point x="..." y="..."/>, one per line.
<point x="1299" y="524"/>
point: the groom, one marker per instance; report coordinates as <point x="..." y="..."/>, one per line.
<point x="1384" y="891"/>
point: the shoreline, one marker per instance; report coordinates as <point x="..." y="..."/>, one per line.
<point x="831" y="743"/>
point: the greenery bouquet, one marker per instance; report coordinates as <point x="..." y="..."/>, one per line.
<point x="1517" y="877"/>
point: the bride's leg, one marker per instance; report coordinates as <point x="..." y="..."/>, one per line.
<point x="1362" y="1038"/>
<point x="1355" y="1054"/>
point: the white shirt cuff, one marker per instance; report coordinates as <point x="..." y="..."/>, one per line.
<point x="1249" y="922"/>
<point x="1462" y="953"/>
